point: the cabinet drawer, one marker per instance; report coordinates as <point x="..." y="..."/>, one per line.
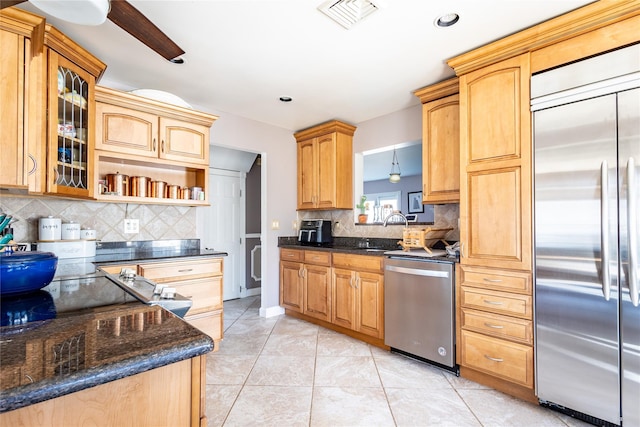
<point x="358" y="262"/>
<point x="496" y="302"/>
<point x="317" y="258"/>
<point x="504" y="359"/>
<point x="291" y="255"/>
<point x="210" y="323"/>
<point x="487" y="278"/>
<point x="116" y="269"/>
<point x="497" y="325"/>
<point x="206" y="293"/>
<point x="170" y="271"/>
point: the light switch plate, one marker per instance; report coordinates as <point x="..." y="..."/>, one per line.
<point x="131" y="226"/>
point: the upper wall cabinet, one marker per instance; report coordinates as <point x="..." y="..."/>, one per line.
<point x="16" y="31"/>
<point x="138" y="136"/>
<point x="144" y="127"/>
<point x="440" y="142"/>
<point x="325" y="166"/>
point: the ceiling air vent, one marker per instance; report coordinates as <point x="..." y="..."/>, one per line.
<point x="348" y="12"/>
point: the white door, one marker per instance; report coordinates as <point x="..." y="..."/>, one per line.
<point x="222" y="224"/>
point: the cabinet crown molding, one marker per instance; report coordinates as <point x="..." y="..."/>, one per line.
<point x="139" y="103"/>
<point x="325" y="128"/>
<point x="71" y="50"/>
<point x="438" y="90"/>
<point x="572" y="24"/>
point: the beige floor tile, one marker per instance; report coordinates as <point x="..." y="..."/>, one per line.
<point x="271" y="407"/>
<point x="258" y="325"/>
<point x="460" y="383"/>
<point x="292" y="326"/>
<point x="346" y="371"/>
<point x="341" y="345"/>
<point x="347" y="406"/>
<point x="293" y="371"/>
<point x="494" y="408"/>
<point x="222" y="369"/>
<point x="429" y="407"/>
<point x="220" y="399"/>
<point x="291" y="345"/>
<point x="242" y="345"/>
<point x="402" y="372"/>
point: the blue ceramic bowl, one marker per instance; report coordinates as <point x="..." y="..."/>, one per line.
<point x="22" y="272"/>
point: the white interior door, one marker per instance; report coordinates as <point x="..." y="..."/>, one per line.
<point x="222" y="223"/>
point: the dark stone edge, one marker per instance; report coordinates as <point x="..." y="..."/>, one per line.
<point x="56" y="387"/>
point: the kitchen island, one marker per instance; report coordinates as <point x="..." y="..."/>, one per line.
<point x="89" y="353"/>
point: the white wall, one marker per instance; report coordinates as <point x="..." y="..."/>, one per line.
<point x="395" y="128"/>
<point x="278" y="149"/>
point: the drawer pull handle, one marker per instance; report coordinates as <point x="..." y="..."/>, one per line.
<point x="489" y="325"/>
<point x="492" y="280"/>
<point x="186" y="270"/>
<point x="494" y="359"/>
<point x="493" y="302"/>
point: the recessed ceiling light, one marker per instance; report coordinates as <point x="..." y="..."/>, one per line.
<point x="447" y="20"/>
<point x="177" y="60"/>
<point x="286" y="99"/>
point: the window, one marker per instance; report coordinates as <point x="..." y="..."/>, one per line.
<point x="380" y="205"/>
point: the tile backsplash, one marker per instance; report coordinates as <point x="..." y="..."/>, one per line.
<point x="445" y="216"/>
<point x="156" y="221"/>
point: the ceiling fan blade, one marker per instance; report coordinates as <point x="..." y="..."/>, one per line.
<point x="9" y="3"/>
<point x="130" y="19"/>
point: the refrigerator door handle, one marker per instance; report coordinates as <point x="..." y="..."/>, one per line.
<point x="604" y="229"/>
<point x="632" y="232"/>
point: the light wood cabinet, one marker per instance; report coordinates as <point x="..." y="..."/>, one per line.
<point x="170" y="395"/>
<point x="136" y="136"/>
<point x="358" y="293"/>
<point x="305" y="284"/>
<point x="440" y="142"/>
<point x="325" y="166"/>
<point x="495" y="156"/>
<point x="201" y="281"/>
<point x="141" y="128"/>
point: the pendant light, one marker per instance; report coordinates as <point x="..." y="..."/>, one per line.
<point x="394" y="176"/>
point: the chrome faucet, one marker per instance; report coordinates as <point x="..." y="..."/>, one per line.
<point x="396" y="213"/>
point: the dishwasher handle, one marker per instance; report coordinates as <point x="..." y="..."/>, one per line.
<point x="417" y="271"/>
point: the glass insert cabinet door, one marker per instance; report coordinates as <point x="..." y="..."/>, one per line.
<point x="70" y="151"/>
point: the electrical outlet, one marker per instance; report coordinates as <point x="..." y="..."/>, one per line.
<point x="275" y="224"/>
<point x="131" y="226"/>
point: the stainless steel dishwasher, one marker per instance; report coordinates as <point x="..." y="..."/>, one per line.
<point x="419" y="309"/>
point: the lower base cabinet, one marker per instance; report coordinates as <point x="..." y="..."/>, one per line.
<point x="171" y="395"/>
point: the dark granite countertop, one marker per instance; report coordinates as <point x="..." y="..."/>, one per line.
<point x="85" y="333"/>
<point x="365" y="246"/>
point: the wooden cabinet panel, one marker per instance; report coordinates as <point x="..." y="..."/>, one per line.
<point x="184" y="142"/>
<point x="291" y="285"/>
<point x="12" y="75"/>
<point x="357" y="262"/>
<point x="441" y="150"/>
<point x="505" y="359"/>
<point x="325" y="166"/>
<point x="343" y="310"/>
<point x="125" y="130"/>
<point x="497" y="326"/>
<point x="317" y="258"/>
<point x="180" y="270"/>
<point x="211" y="323"/>
<point x="502" y="280"/>
<point x="291" y="255"/>
<point x="370" y="290"/>
<point x="317" y="291"/>
<point x="205" y="293"/>
<point x="497" y="302"/>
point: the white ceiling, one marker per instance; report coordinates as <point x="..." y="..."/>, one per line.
<point x="242" y="55"/>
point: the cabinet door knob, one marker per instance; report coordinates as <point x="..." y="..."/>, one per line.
<point x="154" y="144"/>
<point x="489" y="325"/>
<point x="494" y="359"/>
<point x="162" y="146"/>
<point x="493" y="302"/>
<point x="35" y="165"/>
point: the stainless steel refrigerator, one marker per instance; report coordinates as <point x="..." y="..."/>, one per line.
<point x="586" y="119"/>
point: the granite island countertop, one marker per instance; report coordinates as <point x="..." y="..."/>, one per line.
<point x="106" y="336"/>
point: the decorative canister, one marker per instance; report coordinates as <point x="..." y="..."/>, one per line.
<point x="118" y="184"/>
<point x="87" y="234"/>
<point x="139" y="186"/>
<point x="70" y="231"/>
<point x="185" y="193"/>
<point x="173" y="191"/>
<point x="49" y="228"/>
<point x="195" y="193"/>
<point x="158" y="189"/>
